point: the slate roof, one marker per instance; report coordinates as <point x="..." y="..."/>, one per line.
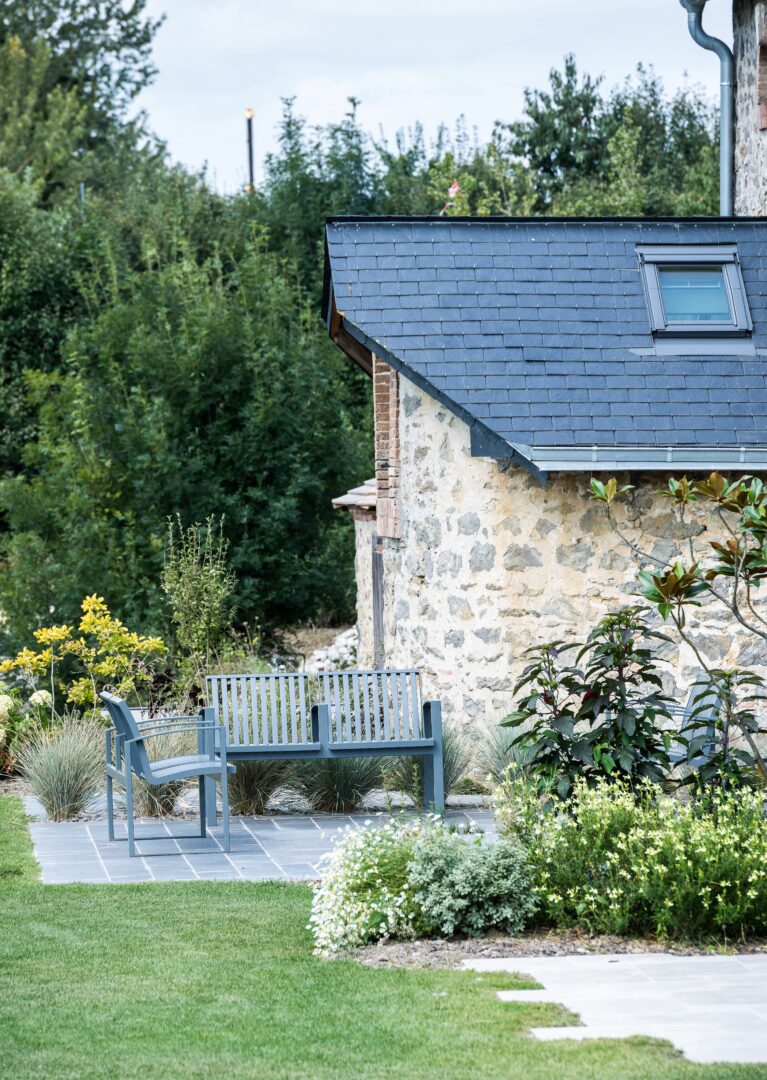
<point x="537" y="333"/>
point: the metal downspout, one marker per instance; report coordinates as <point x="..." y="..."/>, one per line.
<point x="694" y="9"/>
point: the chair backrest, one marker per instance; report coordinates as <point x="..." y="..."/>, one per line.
<point x="372" y="706"/>
<point x="126" y="726"/>
<point x="263" y="709"/>
<point x="698" y="717"/>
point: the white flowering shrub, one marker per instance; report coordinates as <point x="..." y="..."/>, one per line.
<point x="417" y="878"/>
<point x="365" y="894"/>
<point x="41" y="699"/>
<point x="14" y="722"/>
<point x="618" y="861"/>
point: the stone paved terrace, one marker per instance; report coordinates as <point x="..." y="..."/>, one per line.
<point x="277" y="848"/>
<point x="713" y="1008"/>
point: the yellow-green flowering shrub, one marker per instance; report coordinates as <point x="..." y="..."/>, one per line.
<point x="101" y="652"/>
<point x="616" y="861"/>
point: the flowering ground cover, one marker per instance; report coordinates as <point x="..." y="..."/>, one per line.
<point x="205" y="979"/>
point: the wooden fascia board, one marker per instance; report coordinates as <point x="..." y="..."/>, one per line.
<point x="343" y="339"/>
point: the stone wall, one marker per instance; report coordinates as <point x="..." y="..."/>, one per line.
<point x="490" y="562"/>
<point x="750" y="47"/>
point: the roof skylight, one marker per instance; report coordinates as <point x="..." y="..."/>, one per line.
<point x="695" y="291"/>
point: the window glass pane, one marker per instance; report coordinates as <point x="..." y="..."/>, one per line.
<point x="694" y="294"/>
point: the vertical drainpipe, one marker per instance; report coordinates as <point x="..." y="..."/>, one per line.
<point x="694" y="9"/>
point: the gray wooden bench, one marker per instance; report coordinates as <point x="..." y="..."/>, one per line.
<point x="299" y="716"/>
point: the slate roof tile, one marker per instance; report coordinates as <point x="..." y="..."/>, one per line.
<point x="540" y="328"/>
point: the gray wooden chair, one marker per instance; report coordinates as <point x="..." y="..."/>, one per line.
<point x="697" y="724"/>
<point x="126" y="756"/>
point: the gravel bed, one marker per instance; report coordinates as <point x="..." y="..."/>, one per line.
<point x="449" y="954"/>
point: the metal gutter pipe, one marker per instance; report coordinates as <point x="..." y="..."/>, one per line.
<point x="694" y="9"/>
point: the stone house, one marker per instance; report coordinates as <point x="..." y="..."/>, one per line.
<point x="514" y="359"/>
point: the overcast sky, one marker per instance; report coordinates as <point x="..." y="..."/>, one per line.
<point x="407" y="60"/>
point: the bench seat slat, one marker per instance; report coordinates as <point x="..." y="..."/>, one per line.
<point x="244" y="750"/>
<point x="390" y="746"/>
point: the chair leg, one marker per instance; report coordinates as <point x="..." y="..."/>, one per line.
<point x="129" y="808"/>
<point x="225" y="806"/>
<point x="209" y="788"/>
<point x="110" y="809"/>
<point x="201" y="786"/>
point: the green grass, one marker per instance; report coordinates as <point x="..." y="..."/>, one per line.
<point x="17" y="863"/>
<point x="217" y="980"/>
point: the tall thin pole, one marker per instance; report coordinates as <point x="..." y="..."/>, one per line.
<point x="249" y="127"/>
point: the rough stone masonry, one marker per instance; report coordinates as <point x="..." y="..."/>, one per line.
<point x="489" y="562"/>
<point x="750" y="47"/>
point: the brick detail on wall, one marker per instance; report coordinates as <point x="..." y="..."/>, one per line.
<point x="386" y="414"/>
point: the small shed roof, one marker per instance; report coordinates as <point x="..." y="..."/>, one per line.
<point x="360" y="498"/>
<point x="537" y="333"/>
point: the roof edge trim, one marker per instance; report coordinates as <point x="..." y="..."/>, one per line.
<point x="541" y="219"/>
<point x="648" y="458"/>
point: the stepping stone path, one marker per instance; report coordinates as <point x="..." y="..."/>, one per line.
<point x="713" y="1008"/>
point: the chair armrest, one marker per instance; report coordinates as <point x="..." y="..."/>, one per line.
<point x="155" y="721"/>
<point x="205" y="726"/>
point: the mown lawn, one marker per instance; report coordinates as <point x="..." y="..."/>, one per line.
<point x="218" y="980"/>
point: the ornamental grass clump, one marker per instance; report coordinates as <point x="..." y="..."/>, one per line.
<point x="64" y="765"/>
<point x="337" y="785"/>
<point x="621" y="861"/>
<point x="254" y="783"/>
<point x="405" y="774"/>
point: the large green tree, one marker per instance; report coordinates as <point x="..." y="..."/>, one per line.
<point x="201" y="389"/>
<point x="101" y="49"/>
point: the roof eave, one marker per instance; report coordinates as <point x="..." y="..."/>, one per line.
<point x="649" y="458"/>
<point x="484" y="441"/>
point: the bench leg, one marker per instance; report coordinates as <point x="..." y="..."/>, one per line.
<point x="438" y="797"/>
<point x="433" y="773"/>
<point x="209" y="782"/>
<point x="433" y="783"/>
<point x="209" y="791"/>
<point x="225" y="806"/>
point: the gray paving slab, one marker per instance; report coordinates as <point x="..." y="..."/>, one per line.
<point x="710" y="1007"/>
<point x="275" y="848"/>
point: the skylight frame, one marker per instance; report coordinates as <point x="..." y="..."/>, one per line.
<point x="722" y="257"/>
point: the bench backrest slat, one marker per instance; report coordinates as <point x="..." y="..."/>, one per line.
<point x="262" y="709"/>
<point x="372" y="706"/>
<point x="365" y="706"/>
<point x="125" y="725"/>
